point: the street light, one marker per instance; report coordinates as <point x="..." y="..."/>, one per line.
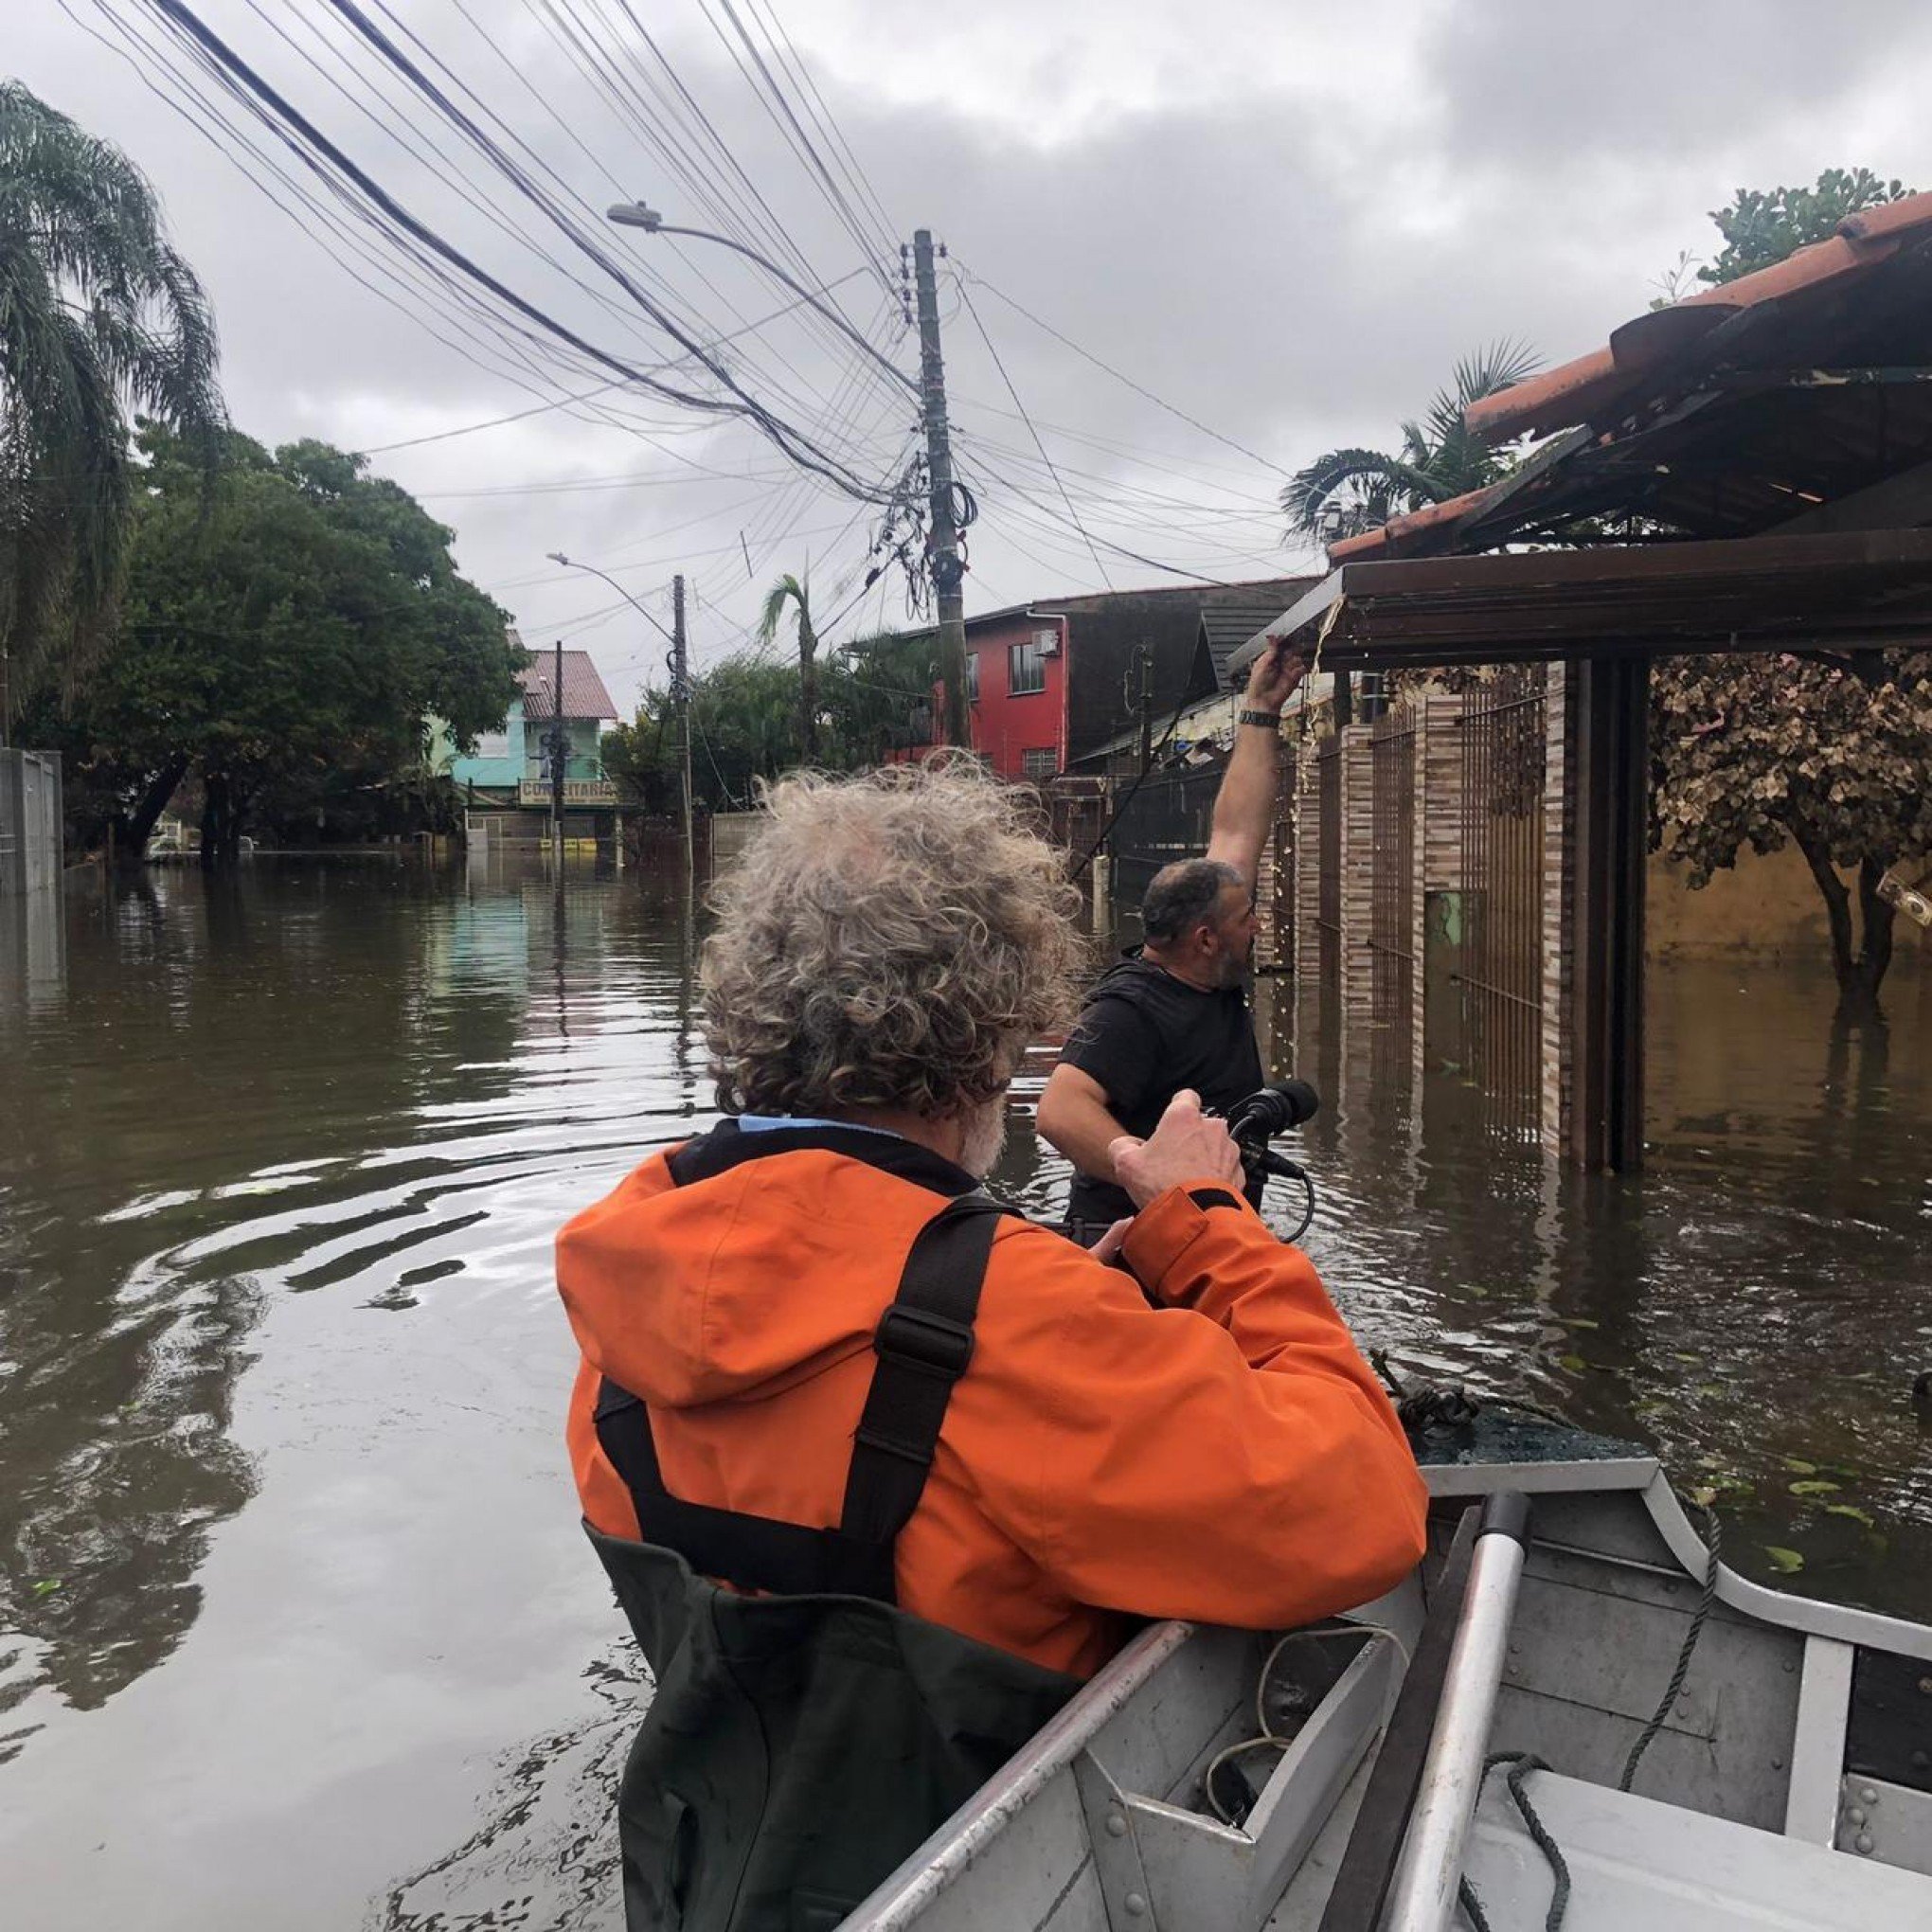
<point x="680" y="681"/>
<point x="639" y="214"/>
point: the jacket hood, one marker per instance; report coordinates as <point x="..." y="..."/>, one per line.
<point x="741" y="1264"/>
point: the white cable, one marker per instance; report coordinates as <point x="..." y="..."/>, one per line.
<point x="1267" y="1738"/>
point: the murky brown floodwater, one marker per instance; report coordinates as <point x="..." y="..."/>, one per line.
<point x="296" y="1626"/>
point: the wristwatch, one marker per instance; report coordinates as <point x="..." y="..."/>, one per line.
<point x="1247" y="715"/>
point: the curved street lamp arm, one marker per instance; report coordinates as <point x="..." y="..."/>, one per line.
<point x="799" y="290"/>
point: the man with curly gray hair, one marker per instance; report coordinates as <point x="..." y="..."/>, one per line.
<point x="880" y="1470"/>
<point x="891" y="946"/>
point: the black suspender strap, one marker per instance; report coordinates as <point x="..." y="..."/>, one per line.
<point x="923" y="1342"/>
<point x="753" y="1552"/>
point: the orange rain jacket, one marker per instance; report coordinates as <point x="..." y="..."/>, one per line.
<point x="1227" y="1457"/>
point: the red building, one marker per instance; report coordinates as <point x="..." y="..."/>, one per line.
<point x="1048" y="683"/>
<point x="1016" y="685"/>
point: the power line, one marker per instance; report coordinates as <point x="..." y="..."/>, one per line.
<point x="1139" y="388"/>
<point x="778" y="106"/>
<point x="854" y="170"/>
<point x="1120" y="549"/>
<point x="966" y="296"/>
<point x="269" y="103"/>
<point x="521" y="181"/>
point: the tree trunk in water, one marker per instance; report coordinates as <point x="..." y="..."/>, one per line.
<point x="1860" y="969"/>
<point x="1875" y="952"/>
<point x="133" y="832"/>
<point x="220" y="841"/>
<point x="1837" y="900"/>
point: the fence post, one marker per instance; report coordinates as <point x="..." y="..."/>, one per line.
<point x="1559" y="905"/>
<point x="1358" y="868"/>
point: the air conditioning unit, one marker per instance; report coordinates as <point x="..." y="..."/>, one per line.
<point x="1046" y="643"/>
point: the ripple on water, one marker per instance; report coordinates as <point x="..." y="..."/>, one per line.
<point x="257" y="1116"/>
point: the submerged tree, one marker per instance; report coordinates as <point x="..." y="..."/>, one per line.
<point x="1830" y="753"/>
<point x="285" y="638"/>
<point x="1350" y="490"/>
<point x="98" y="315"/>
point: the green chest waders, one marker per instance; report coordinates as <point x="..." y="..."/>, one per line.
<point x="801" y="1743"/>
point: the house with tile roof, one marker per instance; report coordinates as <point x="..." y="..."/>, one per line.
<point x="510" y="766"/>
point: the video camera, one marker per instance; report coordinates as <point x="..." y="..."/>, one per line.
<point x="1254" y="1122"/>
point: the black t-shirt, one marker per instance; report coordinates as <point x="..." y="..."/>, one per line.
<point x="1143" y="1036"/>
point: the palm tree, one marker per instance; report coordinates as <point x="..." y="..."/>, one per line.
<point x="789" y="589"/>
<point x="1350" y="490"/>
<point x="99" y="315"/>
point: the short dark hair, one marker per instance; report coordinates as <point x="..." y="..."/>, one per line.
<point x="1182" y="896"/>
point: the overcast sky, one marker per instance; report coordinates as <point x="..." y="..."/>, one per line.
<point x="1283" y="221"/>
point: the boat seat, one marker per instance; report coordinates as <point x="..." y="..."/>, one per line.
<point x="1636" y="1862"/>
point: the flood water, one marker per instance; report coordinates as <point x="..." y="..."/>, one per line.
<point x="298" y="1628"/>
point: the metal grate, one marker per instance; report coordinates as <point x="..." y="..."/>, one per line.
<point x="1503" y="750"/>
<point x="1392" y="885"/>
<point x="1328" y="914"/>
<point x="1168" y="817"/>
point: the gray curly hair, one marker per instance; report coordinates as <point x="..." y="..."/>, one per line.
<point x="893" y="938"/>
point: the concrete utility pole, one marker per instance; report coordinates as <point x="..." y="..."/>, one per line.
<point x="681" y="674"/>
<point x="947" y="569"/>
<point x="1146" y="708"/>
<point x="559" y="752"/>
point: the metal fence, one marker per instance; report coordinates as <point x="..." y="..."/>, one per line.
<point x="1168" y="817"/>
<point x="1392" y="885"/>
<point x="1501" y="974"/>
<point x="1327" y="899"/>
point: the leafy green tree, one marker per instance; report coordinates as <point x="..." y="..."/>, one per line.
<point x="1763" y="225"/>
<point x="97" y="315"/>
<point x="1830" y="754"/>
<point x="283" y="639"/>
<point x="747" y="722"/>
<point x="1350" y="490"/>
<point x="796" y="592"/>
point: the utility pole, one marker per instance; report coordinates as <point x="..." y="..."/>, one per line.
<point x="558" y="754"/>
<point x="947" y="569"/>
<point x="1146" y="709"/>
<point x="681" y="678"/>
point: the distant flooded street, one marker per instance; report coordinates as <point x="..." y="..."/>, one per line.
<point x="298" y="1627"/>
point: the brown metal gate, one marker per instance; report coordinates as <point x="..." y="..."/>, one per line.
<point x="1502" y="872"/>
<point x="1327" y="915"/>
<point x="1392" y="885"/>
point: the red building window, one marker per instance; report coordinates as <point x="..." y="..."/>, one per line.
<point x="1026" y="666"/>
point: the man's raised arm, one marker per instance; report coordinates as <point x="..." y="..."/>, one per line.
<point x="1245" y="802"/>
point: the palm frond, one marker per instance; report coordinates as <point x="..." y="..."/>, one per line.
<point x="97" y="315"/>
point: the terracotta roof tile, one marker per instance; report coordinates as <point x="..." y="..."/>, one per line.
<point x="584" y="695"/>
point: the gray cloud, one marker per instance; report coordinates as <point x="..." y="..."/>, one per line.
<point x="1288" y="231"/>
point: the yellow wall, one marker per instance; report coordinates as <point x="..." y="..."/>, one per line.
<point x="1768" y="906"/>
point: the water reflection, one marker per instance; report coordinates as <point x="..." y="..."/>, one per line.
<point x="283" y="1372"/>
<point x="1751" y="1303"/>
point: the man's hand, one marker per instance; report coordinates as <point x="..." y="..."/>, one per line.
<point x="1277" y="671"/>
<point x="1185" y="1146"/>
